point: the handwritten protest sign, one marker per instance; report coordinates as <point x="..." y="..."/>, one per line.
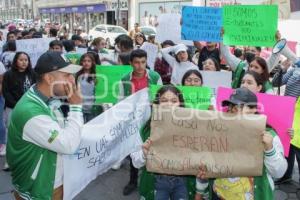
<point x="106" y="140"/>
<point x="214" y="80"/>
<point x="284" y="5"/>
<point x="194" y="97"/>
<point x="253" y="25"/>
<point x="34" y="47"/>
<point x="81" y="50"/>
<point x="201" y="24"/>
<point x="279" y="117"/>
<point x="4" y="34"/>
<point x="108" y="80"/>
<point x="169" y="28"/>
<point x="296" y="126"/>
<point x="152" y="51"/>
<point x="1" y="46"/>
<point x="183" y="139"/>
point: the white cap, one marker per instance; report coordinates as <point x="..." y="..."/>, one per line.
<point x="179" y="48"/>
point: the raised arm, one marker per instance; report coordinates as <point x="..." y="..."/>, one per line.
<point x="165" y="53"/>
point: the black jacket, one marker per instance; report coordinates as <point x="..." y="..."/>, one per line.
<point x="15" y="84"/>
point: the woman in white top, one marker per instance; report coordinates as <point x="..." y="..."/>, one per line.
<point x="180" y="64"/>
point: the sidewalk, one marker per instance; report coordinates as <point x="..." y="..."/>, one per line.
<point x="109" y="186"/>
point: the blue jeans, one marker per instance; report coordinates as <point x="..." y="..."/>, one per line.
<point x="2" y="128"/>
<point x="294" y="152"/>
<point x="170" y="187"/>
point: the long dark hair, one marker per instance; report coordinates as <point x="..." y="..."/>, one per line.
<point x="172" y="89"/>
<point x="156" y="101"/>
<point x="189" y="56"/>
<point x="140" y="34"/>
<point x="217" y="64"/>
<point x="14" y="63"/>
<point x="92" y="76"/>
<point x="262" y="62"/>
<point x="190" y="72"/>
<point x="258" y="79"/>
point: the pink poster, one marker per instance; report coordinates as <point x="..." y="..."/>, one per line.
<point x="278" y="109"/>
<point x="292" y="45"/>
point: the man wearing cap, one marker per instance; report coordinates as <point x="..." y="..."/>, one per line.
<point x="38" y="136"/>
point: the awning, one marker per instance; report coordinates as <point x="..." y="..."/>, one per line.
<point x="97" y="8"/>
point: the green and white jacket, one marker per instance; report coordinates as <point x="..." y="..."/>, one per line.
<point x="36" y="142"/>
<point x="239" y="67"/>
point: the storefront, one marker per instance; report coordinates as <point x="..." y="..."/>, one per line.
<point x="148" y="11"/>
<point x="84" y="16"/>
<point x="112" y="9"/>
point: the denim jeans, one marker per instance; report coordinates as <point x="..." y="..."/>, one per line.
<point x="170" y="187"/>
<point x="2" y="127"/>
<point x="294" y="152"/>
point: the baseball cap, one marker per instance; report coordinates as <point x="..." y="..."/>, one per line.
<point x="179" y="48"/>
<point x="55" y="61"/>
<point x="241" y="96"/>
<point x="11" y="27"/>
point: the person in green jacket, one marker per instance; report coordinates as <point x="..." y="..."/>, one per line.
<point x="38" y="135"/>
<point x="132" y="82"/>
<point x="160" y="186"/>
<point x="71" y="54"/>
<point x="252" y="62"/>
<point x="243" y="101"/>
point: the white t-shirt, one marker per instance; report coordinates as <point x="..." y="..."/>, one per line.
<point x="178" y="68"/>
<point x="2" y="69"/>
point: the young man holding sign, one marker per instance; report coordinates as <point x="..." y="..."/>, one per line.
<point x="133" y="82"/>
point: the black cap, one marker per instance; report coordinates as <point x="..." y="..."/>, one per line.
<point x="241" y="96"/>
<point x="55" y="61"/>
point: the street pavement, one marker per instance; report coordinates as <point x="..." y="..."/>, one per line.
<point x="109" y="186"/>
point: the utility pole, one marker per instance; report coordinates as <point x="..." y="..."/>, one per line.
<point x="32" y="9"/>
<point x="118" y="13"/>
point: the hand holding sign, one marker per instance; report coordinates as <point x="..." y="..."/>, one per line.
<point x="146" y="147"/>
<point x="267" y="139"/>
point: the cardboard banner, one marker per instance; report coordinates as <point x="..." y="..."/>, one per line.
<point x="183" y="139"/>
<point x="169" y="28"/>
<point x="34" y="47"/>
<point x="194" y="97"/>
<point x="108" y="82"/>
<point x="106" y="140"/>
<point x="152" y="51"/>
<point x="214" y="80"/>
<point x="201" y="24"/>
<point x="296" y="126"/>
<point x="279" y="117"/>
<point x="250" y="25"/>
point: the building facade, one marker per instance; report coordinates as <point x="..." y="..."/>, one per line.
<point x="16" y="9"/>
<point x="84" y="13"/>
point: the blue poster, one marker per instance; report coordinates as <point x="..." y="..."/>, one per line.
<point x="201" y="24"/>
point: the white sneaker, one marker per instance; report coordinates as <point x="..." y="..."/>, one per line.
<point x="3" y="150"/>
<point x="6" y="167"/>
<point x="117" y="166"/>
